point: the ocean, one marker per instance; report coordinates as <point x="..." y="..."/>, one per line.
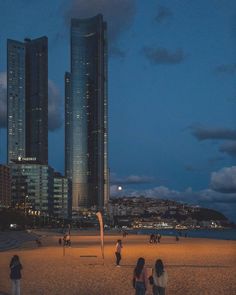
<point x="219" y="234"/>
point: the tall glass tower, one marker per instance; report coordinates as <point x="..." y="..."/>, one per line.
<point x="15" y="100"/>
<point x="37" y="99"/>
<point x="27" y="99"/>
<point x="86" y="158"/>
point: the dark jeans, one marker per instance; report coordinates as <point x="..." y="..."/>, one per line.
<point x="158" y="290"/>
<point x="118" y="258"/>
<point x="140" y="288"/>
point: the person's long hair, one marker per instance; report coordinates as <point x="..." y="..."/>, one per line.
<point x="139" y="267"/>
<point x="15" y="260"/>
<point x="159" y="267"/>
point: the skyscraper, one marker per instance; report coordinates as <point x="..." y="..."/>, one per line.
<point x="27" y="99"/>
<point x="86" y="113"/>
<point x="16" y="120"/>
<point x="37" y="99"/>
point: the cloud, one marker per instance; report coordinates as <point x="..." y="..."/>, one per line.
<point x="117" y="13"/>
<point x="164" y="14"/>
<point x="229" y="69"/>
<point x="161" y="192"/>
<point x="3" y="100"/>
<point x="229" y="148"/>
<point x="205" y="133"/>
<point x="220" y="195"/>
<point x="55" y="119"/>
<point x="131" y="179"/>
<point x="163" y="56"/>
<point x="208" y="198"/>
<point x="204" y="197"/>
<point x="224" y="180"/>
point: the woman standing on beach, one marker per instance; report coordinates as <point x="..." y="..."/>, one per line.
<point x="140" y="279"/>
<point x="15" y="274"/>
<point x="118" y="252"/>
<point x="160" y="278"/>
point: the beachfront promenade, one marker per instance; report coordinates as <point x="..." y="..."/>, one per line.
<point x="195" y="266"/>
<point x="14" y="239"/>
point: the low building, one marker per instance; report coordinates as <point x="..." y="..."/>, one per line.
<point x="32" y="186"/>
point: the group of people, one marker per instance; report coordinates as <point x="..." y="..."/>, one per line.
<point x="66" y="240"/>
<point x="158" y="279"/>
<point x="154" y="239"/>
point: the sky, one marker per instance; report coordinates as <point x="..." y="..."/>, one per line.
<point x="172" y="92"/>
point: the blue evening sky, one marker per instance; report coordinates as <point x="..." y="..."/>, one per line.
<point x="172" y="91"/>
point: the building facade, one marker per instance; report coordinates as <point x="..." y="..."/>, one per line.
<point x="86" y="117"/>
<point x="32" y="185"/>
<point x="27" y="99"/>
<point x="16" y="120"/>
<point x="5" y="186"/>
<point x="62" y="197"/>
<point x="68" y="127"/>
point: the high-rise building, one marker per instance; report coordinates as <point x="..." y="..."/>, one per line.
<point x="16" y="120"/>
<point x="27" y="99"/>
<point x="37" y="99"/>
<point x="68" y="127"/>
<point x="86" y="153"/>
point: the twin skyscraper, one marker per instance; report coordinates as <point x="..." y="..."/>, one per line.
<point x="86" y="108"/>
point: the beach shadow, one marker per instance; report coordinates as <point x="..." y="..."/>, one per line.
<point x="180" y="265"/>
<point x="197" y="266"/>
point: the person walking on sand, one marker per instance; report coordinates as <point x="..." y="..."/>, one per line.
<point x="68" y="242"/>
<point x="15" y="274"/>
<point x="119" y="246"/>
<point x="160" y="278"/>
<point x="140" y="279"/>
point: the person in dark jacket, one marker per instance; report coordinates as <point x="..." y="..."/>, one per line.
<point x="15" y="274"/>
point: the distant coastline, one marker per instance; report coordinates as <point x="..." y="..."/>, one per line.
<point x="218" y="234"/>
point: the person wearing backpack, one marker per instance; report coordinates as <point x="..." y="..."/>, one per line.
<point x="160" y="278"/>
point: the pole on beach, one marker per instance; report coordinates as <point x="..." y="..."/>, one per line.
<point x="99" y="216"/>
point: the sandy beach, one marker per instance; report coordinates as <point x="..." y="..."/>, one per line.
<point x="195" y="266"/>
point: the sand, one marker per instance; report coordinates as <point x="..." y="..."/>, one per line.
<point x="194" y="266"/>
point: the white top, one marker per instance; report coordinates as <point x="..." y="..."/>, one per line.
<point x="118" y="247"/>
<point x="160" y="281"/>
